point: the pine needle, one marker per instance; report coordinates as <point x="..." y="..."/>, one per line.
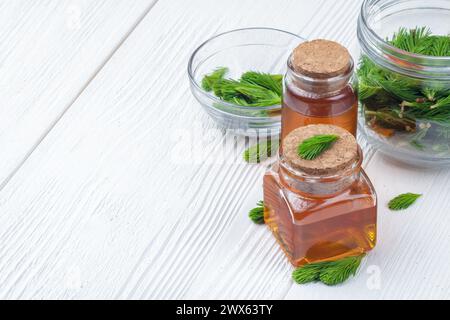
<point x="338" y="272"/>
<point x="271" y="82"/>
<point x="403" y="201"/>
<point x="257" y="214"/>
<point x="246" y="93"/>
<point x="313" y="147"/>
<point x="430" y="94"/>
<point x="400" y="88"/>
<point x="413" y="40"/>
<point x="210" y="80"/>
<point x="437" y="46"/>
<point x="254" y="89"/>
<point x="445" y="102"/>
<point x="368" y="89"/>
<point x="261" y="151"/>
<point x="330" y="273"/>
<point x="308" y="273"/>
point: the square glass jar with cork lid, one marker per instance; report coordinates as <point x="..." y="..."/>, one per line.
<point x="319" y="202"/>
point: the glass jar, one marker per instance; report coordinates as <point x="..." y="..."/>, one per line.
<point x="242" y="50"/>
<point x="408" y="127"/>
<point x="320" y="218"/>
<point x="311" y="99"/>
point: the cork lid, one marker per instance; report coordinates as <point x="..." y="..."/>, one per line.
<point x="321" y="59"/>
<point x="339" y="157"/>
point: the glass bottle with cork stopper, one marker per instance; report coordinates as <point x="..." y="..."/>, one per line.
<point x="323" y="209"/>
<point x="318" y="87"/>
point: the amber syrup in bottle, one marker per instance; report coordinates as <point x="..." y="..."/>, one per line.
<point x="318" y="88"/>
<point x="321" y="210"/>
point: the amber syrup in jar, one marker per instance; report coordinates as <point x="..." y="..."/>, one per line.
<point x="318" y="88"/>
<point x="320" y="210"/>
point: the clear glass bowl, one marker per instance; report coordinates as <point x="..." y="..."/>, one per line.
<point x="253" y="49"/>
<point x="420" y="140"/>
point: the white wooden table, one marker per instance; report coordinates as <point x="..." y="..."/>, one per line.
<point x="94" y="97"/>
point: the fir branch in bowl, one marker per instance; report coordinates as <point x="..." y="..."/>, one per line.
<point x="406" y="111"/>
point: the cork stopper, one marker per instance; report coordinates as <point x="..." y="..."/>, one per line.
<point x="321" y="59"/>
<point x="342" y="155"/>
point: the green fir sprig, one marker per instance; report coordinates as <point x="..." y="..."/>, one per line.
<point x="338" y="272"/>
<point x="313" y="147"/>
<point x="253" y="89"/>
<point x="413" y="40"/>
<point x="403" y="201"/>
<point x="308" y="273"/>
<point x="271" y="82"/>
<point x="257" y="213"/>
<point x="209" y="81"/>
<point x="329" y="273"/>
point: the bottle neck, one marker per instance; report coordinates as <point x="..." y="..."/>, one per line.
<point x="320" y="186"/>
<point x="317" y="87"/>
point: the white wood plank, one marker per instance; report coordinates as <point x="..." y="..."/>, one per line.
<point x="141" y="94"/>
<point x="49" y="51"/>
<point x="102" y="209"/>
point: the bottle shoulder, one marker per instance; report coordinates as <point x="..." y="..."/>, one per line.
<point x="359" y="196"/>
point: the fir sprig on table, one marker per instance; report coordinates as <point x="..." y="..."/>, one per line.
<point x="261" y="151"/>
<point x="394" y="102"/>
<point x="257" y="214"/>
<point x="313" y="147"/>
<point x="308" y="273"/>
<point x="338" y="272"/>
<point x="253" y="89"/>
<point x="403" y="201"/>
<point x="330" y="273"/>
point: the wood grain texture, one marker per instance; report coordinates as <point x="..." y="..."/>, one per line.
<point x="49" y="51"/>
<point x="119" y="202"/>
